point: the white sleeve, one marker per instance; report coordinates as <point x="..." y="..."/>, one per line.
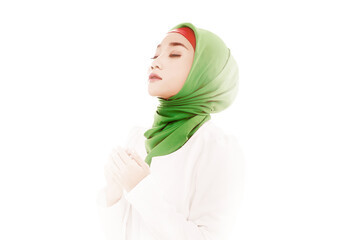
<point x="113" y="218"/>
<point x="218" y="184"/>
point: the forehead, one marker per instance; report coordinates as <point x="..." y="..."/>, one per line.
<point x="174" y="38"/>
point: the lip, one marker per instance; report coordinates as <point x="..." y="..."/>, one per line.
<point x="154" y="77"/>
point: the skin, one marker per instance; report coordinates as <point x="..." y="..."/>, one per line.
<point x="171" y="68"/>
<point x="124" y="170"/>
<point x="172" y="64"/>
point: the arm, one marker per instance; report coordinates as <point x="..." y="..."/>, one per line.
<point x="212" y="204"/>
<point x="113" y="218"/>
<point x="113" y="208"/>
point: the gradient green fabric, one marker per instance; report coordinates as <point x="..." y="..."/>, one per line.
<point x="211" y="87"/>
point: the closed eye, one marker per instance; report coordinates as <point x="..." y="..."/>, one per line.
<point x="171" y="55"/>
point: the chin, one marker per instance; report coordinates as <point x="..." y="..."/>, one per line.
<point x="153" y="92"/>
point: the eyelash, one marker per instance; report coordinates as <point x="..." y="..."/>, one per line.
<point x="174" y="55"/>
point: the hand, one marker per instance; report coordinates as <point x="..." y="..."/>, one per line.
<point x="114" y="188"/>
<point x="128" y="168"/>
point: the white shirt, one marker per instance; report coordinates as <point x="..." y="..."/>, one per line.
<point x="192" y="193"/>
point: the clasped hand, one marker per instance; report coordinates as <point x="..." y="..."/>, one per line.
<point x="126" y="168"/>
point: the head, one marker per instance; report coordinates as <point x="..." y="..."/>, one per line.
<point x="172" y="62"/>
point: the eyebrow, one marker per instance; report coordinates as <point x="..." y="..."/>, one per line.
<point x="174" y="44"/>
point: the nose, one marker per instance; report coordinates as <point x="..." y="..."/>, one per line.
<point x="155" y="64"/>
<point x="153" y="67"/>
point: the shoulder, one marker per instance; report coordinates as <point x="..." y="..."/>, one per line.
<point x="214" y="134"/>
<point x="221" y="158"/>
<point x="220" y="146"/>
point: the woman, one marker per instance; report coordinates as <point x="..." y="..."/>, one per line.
<point x="183" y="177"/>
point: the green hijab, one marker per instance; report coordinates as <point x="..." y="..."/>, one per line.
<point x="210" y="87"/>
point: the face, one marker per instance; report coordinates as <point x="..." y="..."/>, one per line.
<point x="172" y="62"/>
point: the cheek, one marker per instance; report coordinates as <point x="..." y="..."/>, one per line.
<point x="178" y="71"/>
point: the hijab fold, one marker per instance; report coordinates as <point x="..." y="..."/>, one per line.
<point x="211" y="86"/>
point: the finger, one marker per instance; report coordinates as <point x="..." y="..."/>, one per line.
<point x="123" y="155"/>
<point x="127" y="150"/>
<point x="114" y="176"/>
<point x="117" y="151"/>
<point x="132" y="157"/>
<point x="115" y="168"/>
<point x="139" y="160"/>
<point x="117" y="163"/>
<point x="112" y="162"/>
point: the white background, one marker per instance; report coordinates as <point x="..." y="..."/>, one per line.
<point x="73" y="80"/>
